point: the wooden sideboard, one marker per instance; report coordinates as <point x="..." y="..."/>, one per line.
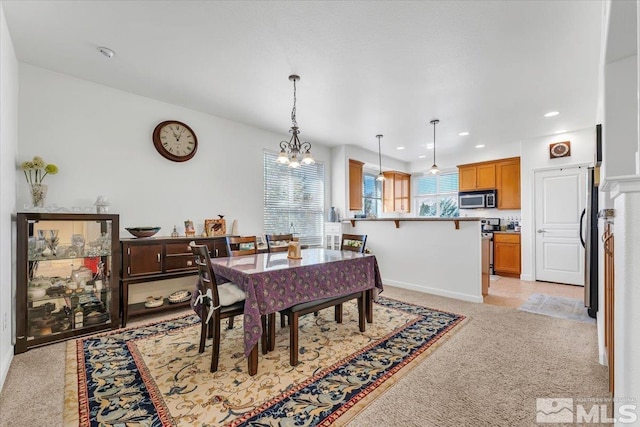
<point x="158" y="258"/>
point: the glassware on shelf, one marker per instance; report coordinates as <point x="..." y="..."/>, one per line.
<point x="52" y="240"/>
<point x="77" y="241"/>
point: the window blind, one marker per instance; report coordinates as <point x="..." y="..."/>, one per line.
<point x="437" y="195"/>
<point x="294" y="200"/>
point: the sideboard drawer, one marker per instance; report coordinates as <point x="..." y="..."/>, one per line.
<point x="177" y="248"/>
<point x="179" y="262"/>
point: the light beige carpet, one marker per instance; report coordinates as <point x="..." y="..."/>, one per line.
<point x="488" y="374"/>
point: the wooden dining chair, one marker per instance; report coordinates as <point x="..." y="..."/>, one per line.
<point x="353" y="242"/>
<point x="238" y="246"/>
<point x="219" y="302"/>
<point x="278" y="242"/>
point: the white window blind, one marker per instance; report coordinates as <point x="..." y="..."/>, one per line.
<point x="437" y="195"/>
<point x="294" y="200"/>
<point x="372" y="195"/>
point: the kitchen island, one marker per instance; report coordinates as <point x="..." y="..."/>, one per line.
<point x="441" y="256"/>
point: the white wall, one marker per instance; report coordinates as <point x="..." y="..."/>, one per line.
<point x="535" y="157"/>
<point x="100" y="138"/>
<point x="451" y="161"/>
<point x="8" y="149"/>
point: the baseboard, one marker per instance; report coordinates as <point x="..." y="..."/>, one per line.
<point x="434" y="291"/>
<point x="4" y="367"/>
<point x="527" y="277"/>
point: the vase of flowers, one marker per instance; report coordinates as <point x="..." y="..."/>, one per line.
<point x="34" y="173"/>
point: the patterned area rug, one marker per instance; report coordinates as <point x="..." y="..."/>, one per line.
<point x="154" y="376"/>
<point x="564" y="308"/>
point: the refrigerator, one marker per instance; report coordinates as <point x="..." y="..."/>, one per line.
<point x="589" y="240"/>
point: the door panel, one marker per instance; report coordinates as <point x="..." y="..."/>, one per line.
<point x="559" y="200"/>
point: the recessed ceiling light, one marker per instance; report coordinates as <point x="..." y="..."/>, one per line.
<point x="560" y="131"/>
<point x="463" y="133"/>
<point x="399" y="148"/>
<point x="422" y="156"/>
<point x="429" y="146"/>
<point x="480" y="146"/>
<point x="551" y="114"/>
<point x="106" y="52"/>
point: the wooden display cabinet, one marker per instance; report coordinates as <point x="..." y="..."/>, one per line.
<point x="65" y="276"/>
<point x="355" y="185"/>
<point x="158" y="258"/>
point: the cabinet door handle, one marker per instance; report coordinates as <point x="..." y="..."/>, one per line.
<point x="158" y="257"/>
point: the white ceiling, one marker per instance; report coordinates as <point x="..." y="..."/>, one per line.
<point x="492" y="68"/>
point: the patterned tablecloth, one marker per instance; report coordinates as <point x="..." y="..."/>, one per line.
<point x="272" y="282"/>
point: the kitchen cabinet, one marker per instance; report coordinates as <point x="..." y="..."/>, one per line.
<point x="158" y="258"/>
<point x="506" y="254"/>
<point x="502" y="175"/>
<point x="65" y="269"/>
<point x="355" y="185"/>
<point x="508" y="183"/>
<point x="396" y="192"/>
<point x="481" y="176"/>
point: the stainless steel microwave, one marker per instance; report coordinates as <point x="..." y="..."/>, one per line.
<point x="477" y="199"/>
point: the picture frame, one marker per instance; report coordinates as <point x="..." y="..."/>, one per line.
<point x="215" y="227"/>
<point x="189" y="229"/>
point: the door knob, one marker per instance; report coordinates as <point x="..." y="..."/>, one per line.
<point x="541" y="231"/>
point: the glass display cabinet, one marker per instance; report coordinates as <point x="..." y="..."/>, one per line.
<point x="67" y="278"/>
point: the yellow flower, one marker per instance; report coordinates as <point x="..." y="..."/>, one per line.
<point x="37" y="169"/>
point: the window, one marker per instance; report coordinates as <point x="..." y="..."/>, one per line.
<point x="372" y="195"/>
<point x="437" y="195"/>
<point x="294" y="200"/>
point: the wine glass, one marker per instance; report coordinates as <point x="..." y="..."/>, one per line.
<point x="52" y="241"/>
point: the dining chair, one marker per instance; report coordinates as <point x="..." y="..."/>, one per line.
<point x="218" y="302"/>
<point x="248" y="245"/>
<point x="238" y="246"/>
<point x="353" y="242"/>
<point x="274" y="239"/>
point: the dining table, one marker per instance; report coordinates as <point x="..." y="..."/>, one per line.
<point x="273" y="282"/>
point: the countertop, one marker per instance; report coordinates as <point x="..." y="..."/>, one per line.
<point x="413" y="219"/>
<point x="506" y="232"/>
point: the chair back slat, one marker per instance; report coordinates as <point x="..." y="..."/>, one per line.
<point x="273" y="242"/>
<point x="353" y="242"/>
<point x="205" y="272"/>
<point x="237" y="246"/>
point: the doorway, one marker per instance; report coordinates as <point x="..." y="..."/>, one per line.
<point x="559" y="200"/>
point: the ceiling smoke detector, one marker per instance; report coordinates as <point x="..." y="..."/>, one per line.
<point x="106" y="52"/>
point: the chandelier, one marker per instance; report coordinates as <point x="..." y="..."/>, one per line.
<point x="294" y="152"/>
<point x="380" y="175"/>
<point x="434" y="169"/>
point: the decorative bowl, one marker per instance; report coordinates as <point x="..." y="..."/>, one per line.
<point x="143" y="231"/>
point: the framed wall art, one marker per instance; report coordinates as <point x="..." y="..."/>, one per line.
<point x="559" y="149"/>
<point x="215" y="227"/>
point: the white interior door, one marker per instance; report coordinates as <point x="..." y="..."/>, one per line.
<point x="559" y="200"/>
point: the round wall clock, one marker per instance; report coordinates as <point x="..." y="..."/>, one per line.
<point x="175" y="141"/>
<point x="559" y="149"/>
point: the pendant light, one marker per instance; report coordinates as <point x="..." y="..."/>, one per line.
<point x="380" y="175"/>
<point x="434" y="169"/>
<point x="293" y="152"/>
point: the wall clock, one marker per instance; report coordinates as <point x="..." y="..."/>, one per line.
<point x="559" y="149"/>
<point x="175" y="141"/>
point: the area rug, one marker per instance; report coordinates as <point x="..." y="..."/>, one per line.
<point x="154" y="376"/>
<point x="564" y="308"/>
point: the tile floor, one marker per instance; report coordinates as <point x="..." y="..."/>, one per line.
<point x="510" y="292"/>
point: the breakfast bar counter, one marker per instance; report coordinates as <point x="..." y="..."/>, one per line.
<point x="441" y="256"/>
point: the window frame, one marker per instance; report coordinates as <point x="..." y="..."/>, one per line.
<point x="379" y="190"/>
<point x="418" y="198"/>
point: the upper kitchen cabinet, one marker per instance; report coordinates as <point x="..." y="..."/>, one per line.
<point x="479" y="176"/>
<point x="508" y="183"/>
<point x="502" y="175"/>
<point x="396" y="192"/>
<point x="355" y="185"/>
